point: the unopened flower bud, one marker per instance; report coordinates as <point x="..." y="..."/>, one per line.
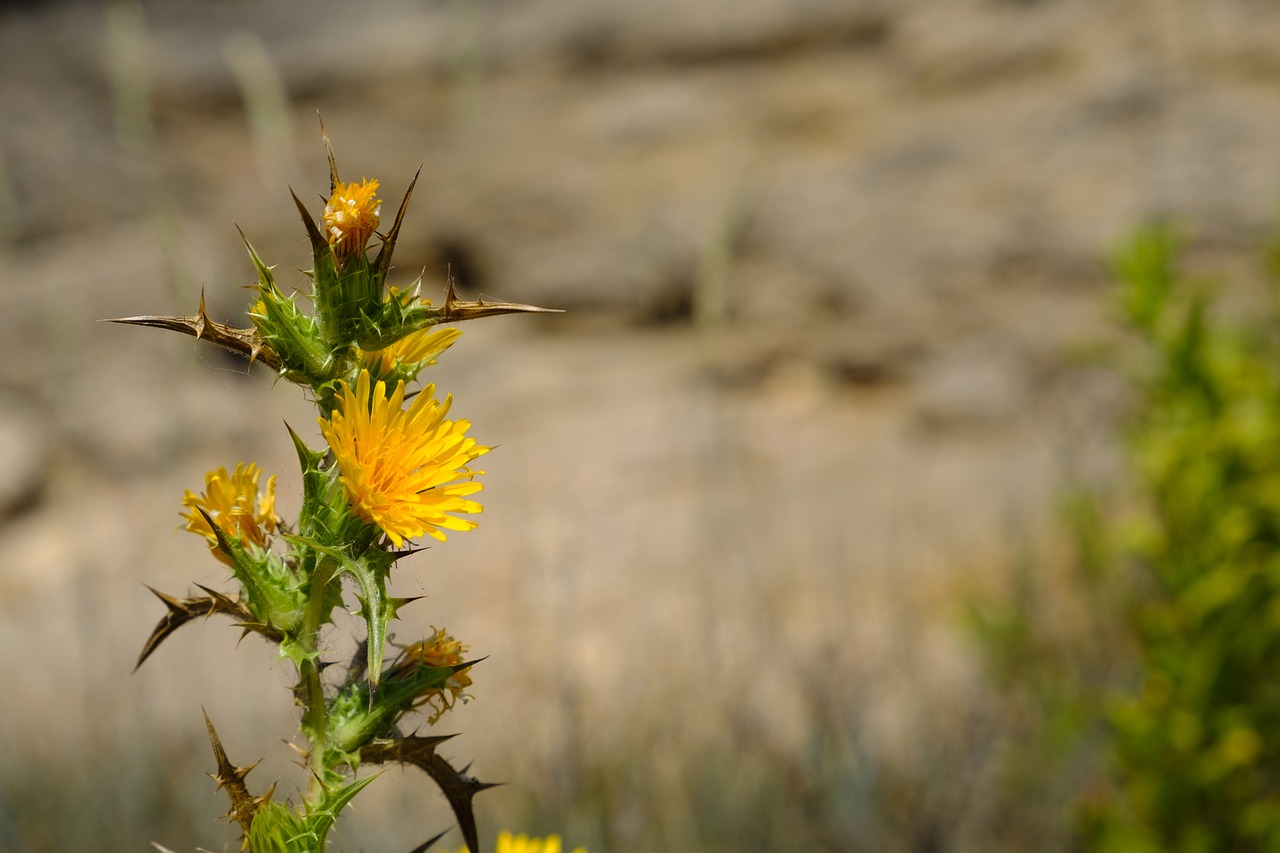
<point x="351" y="217"/>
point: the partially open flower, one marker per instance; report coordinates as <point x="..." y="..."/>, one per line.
<point x="439" y="650"/>
<point x="236" y="505"/>
<point x="351" y="217"/>
<point x="404" y="470"/>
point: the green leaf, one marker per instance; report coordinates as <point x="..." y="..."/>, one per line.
<point x="321" y="819"/>
<point x="370" y="572"/>
<point x="319" y="487"/>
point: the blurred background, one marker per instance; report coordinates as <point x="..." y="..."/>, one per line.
<point x="833" y="272"/>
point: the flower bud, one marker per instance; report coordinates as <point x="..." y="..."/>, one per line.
<point x="351" y="217"/>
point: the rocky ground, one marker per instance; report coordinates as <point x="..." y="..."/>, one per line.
<point x="831" y="271"/>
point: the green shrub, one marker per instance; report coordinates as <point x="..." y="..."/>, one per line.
<point x="1195" y="740"/>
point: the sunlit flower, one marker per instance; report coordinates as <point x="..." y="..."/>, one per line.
<point x="440" y="650"/>
<point x="236" y="505"/>
<point x="508" y="843"/>
<point x="404" y="470"/>
<point x="422" y="347"/>
<point x="351" y="216"/>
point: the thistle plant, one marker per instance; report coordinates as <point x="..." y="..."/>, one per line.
<point x="394" y="468"/>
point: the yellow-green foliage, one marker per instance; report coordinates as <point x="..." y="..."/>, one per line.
<point x="1195" y="741"/>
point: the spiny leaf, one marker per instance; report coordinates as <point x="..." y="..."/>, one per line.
<point x="317" y="487"/>
<point x="265" y="278"/>
<point x="382" y="263"/>
<point x="231" y="778"/>
<point x="321" y="819"/>
<point x="224" y="544"/>
<point x="319" y="245"/>
<point x="395" y="319"/>
<point x="456" y="310"/>
<point x="412" y="749"/>
<point x="370" y="573"/>
<point x="334" y="180"/>
<point x="457" y="787"/>
<point x="376" y="612"/>
<point x="263" y="589"/>
<point x="245" y="342"/>
<point x="183" y="610"/>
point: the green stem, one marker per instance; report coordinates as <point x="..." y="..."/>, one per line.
<point x="316" y="714"/>
<point x="317" y="726"/>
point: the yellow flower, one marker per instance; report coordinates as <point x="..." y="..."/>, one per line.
<point x="508" y="843"/>
<point x="236" y="505"/>
<point x="404" y="470"/>
<point x="440" y="650"/>
<point x="351" y="216"/>
<point x="423" y="346"/>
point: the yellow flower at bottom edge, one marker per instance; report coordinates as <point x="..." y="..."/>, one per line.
<point x="508" y="843"/>
<point x="235" y="504"/>
<point x="404" y="470"/>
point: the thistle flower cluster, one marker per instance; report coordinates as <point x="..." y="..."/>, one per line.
<point x="395" y="467"/>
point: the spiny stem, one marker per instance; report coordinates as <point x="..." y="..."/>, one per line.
<point x="317" y="726"/>
<point x="316" y="713"/>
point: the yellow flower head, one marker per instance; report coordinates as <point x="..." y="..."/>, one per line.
<point x="508" y="843"/>
<point x="351" y="216"/>
<point x="423" y="346"/>
<point x="235" y="504"/>
<point x="439" y="650"/>
<point x="404" y="470"/>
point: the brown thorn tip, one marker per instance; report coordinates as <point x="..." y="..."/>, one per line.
<point x="334" y="180"/>
<point x="424" y="846"/>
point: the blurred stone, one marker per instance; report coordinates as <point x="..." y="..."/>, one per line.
<point x="26" y="443"/>
<point x="961" y="47"/>
<point x="972" y="386"/>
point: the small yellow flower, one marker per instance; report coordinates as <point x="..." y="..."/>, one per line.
<point x="508" y="843"/>
<point x="351" y="216"/>
<point x="422" y="347"/>
<point x="404" y="470"/>
<point x="236" y="505"/>
<point x="441" y="649"/>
